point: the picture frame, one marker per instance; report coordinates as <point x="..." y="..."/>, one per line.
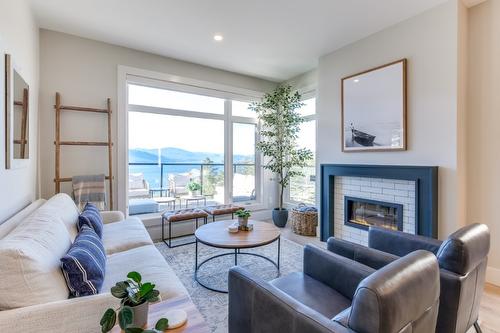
<point x="374" y="109"/>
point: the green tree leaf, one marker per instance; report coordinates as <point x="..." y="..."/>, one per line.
<point x="108" y="320"/>
<point x="134" y="276"/>
<point x="162" y="324"/>
<point x="125" y="317"/>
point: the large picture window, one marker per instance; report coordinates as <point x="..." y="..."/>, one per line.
<point x="189" y="149"/>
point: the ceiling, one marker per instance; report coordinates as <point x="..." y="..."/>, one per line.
<point x="270" y="39"/>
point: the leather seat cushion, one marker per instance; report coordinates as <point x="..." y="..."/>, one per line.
<point x="312" y="293"/>
<point x="184" y="214"/>
<point x="222" y="209"/>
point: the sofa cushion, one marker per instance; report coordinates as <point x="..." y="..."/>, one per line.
<point x="9" y="225"/>
<point x="29" y="261"/>
<point x="142" y="206"/>
<point x="312" y="293"/>
<point x="125" y="235"/>
<point x="92" y="218"/>
<point x="84" y="265"/>
<point x="62" y="206"/>
<point x="148" y="261"/>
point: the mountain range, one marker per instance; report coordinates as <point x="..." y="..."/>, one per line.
<point x="177" y="155"/>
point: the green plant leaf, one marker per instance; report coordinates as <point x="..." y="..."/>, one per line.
<point x="152" y="296"/>
<point x="146" y="288"/>
<point x="108" y="320"/>
<point x="134" y="276"/>
<point x="125" y="317"/>
<point x="119" y="290"/>
<point x="133" y="330"/>
<point x="162" y="324"/>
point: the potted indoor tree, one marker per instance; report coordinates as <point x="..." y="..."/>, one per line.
<point x="132" y="314"/>
<point x="280" y="119"/>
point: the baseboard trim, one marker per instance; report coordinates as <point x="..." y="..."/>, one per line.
<point x="493" y="275"/>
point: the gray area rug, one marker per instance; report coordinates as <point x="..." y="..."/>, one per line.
<point x="213" y="305"/>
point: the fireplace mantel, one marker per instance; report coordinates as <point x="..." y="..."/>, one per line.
<point x="426" y="192"/>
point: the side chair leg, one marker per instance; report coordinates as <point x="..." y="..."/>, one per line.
<point x="477" y="328"/>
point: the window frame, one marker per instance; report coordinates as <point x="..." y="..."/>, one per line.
<point x="125" y="78"/>
<point x="308" y="94"/>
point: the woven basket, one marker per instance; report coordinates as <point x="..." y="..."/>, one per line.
<point x="304" y="223"/>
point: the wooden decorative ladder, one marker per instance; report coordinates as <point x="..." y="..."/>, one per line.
<point x="58" y="143"/>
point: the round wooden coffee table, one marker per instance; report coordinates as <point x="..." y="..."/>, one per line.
<point x="216" y="235"/>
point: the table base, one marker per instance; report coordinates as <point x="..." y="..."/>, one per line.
<point x="236" y="253"/>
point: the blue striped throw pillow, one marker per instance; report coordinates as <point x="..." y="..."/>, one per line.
<point x="92" y="218"/>
<point x="84" y="265"/>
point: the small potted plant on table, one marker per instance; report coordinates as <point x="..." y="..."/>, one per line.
<point x="132" y="315"/>
<point x="243" y="216"/>
<point x="194" y="188"/>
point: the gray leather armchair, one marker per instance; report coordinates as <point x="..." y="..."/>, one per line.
<point x="336" y="294"/>
<point x="462" y="259"/>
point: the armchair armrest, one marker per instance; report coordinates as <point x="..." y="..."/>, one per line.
<point x="370" y="257"/>
<point x="112" y="216"/>
<point x="80" y="315"/>
<point x="257" y="306"/>
<point x="400" y="243"/>
<point x="335" y="271"/>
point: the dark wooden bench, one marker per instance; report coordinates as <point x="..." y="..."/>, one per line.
<point x="180" y="215"/>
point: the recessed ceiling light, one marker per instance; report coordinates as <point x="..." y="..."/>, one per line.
<point x="356" y="80"/>
<point x="218" y="37"/>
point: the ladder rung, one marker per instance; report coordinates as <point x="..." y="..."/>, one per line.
<point x="68" y="179"/>
<point x="83" y="143"/>
<point x="81" y="109"/>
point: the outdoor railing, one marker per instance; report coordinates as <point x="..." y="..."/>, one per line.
<point x="201" y="166"/>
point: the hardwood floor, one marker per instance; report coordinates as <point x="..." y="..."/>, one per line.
<point x="489" y="313"/>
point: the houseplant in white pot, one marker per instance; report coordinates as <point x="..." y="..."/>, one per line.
<point x="132" y="314"/>
<point x="243" y="216"/>
<point x="194" y="188"/>
<point x="280" y="119"/>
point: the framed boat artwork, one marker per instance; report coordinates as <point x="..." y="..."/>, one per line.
<point x="374" y="109"/>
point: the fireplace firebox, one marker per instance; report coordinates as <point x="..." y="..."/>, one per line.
<point x="363" y="213"/>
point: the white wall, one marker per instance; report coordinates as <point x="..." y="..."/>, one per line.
<point x="483" y="119"/>
<point x="429" y="42"/>
<point x="85" y="73"/>
<point x="19" y="37"/>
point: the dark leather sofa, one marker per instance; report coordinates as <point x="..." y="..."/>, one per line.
<point x="462" y="259"/>
<point x="336" y="294"/>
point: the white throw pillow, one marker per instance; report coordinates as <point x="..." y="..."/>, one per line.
<point x="29" y="262"/>
<point x="62" y="206"/>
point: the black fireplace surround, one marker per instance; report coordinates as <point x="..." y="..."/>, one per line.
<point x="426" y="192"/>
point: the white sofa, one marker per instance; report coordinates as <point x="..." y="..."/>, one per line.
<point x="33" y="292"/>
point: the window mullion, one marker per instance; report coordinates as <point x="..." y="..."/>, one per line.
<point x="228" y="152"/>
